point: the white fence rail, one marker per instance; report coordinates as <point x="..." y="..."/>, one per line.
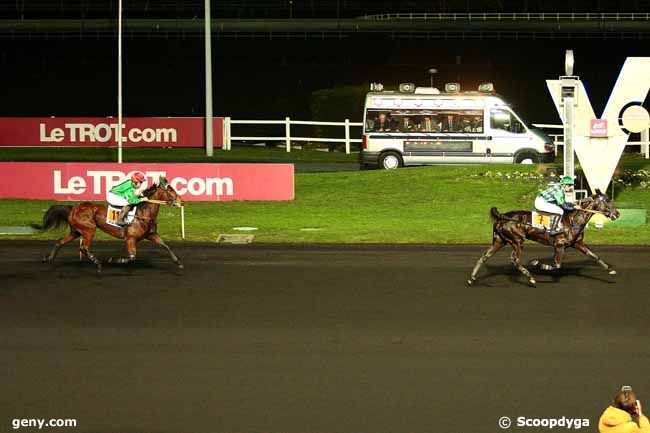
<point x="558" y="139"/>
<point x="519" y="16"/>
<point x="287" y="137"/>
<point x="228" y="138"/>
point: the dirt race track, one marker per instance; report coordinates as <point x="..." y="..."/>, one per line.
<point x="296" y="339"/>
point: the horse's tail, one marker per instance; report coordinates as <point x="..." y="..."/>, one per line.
<point x="495" y="215"/>
<point x="55" y="217"/>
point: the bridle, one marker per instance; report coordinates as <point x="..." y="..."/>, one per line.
<point x="174" y="202"/>
<point x="590" y="200"/>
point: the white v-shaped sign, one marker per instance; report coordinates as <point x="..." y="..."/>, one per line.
<point x="599" y="156"/>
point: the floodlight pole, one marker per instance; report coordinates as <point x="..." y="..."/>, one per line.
<point x="569" y="90"/>
<point x="209" y="146"/>
<point x="432" y="71"/>
<point x="119" y="82"/>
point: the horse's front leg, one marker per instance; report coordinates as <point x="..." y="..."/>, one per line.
<point x="155" y="239"/>
<point x="584" y="249"/>
<point x="131" y="250"/>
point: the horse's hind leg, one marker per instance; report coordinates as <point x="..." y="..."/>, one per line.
<point x="84" y="248"/>
<point x="155" y="239"/>
<point x="497" y="244"/>
<point x="584" y="249"/>
<point x="517" y="248"/>
<point x="58" y="244"/>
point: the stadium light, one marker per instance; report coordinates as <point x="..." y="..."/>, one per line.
<point x="208" y="81"/>
<point x="432" y="72"/>
<point x="119" y="82"/>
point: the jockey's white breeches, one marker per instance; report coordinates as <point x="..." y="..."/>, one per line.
<point x="544" y="206"/>
<point x="116" y="200"/>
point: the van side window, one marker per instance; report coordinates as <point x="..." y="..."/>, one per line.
<point x="379" y="121"/>
<point x="503" y="119"/>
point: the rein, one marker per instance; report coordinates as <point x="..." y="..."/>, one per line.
<point x="158" y="202"/>
<point x="590" y="211"/>
<point x="152" y="201"/>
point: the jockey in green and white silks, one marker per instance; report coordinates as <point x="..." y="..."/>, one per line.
<point x="125" y="195"/>
<point x="553" y="200"/>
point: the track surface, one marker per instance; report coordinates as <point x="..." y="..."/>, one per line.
<point x="316" y="339"/>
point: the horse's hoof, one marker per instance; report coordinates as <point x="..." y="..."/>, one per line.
<point x="532" y="282"/>
<point x="109" y="260"/>
<point x="534" y="262"/>
<point x="180" y="266"/>
<point x="471" y="281"/>
<point x="612" y="272"/>
<point x="99" y="270"/>
<point x="46" y="260"/>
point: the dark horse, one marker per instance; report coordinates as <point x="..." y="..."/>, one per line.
<point x="514" y="227"/>
<point x="85" y="218"/>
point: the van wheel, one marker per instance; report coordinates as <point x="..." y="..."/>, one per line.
<point x="527" y="158"/>
<point x="390" y="160"/>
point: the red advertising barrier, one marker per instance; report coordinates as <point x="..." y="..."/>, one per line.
<point x="102" y="131"/>
<point x="194" y="182"/>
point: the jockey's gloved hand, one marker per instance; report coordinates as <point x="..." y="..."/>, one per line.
<point x="568" y="206"/>
<point x="145" y="199"/>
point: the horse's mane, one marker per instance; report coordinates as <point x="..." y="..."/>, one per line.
<point x="590" y="198"/>
<point x="149" y="191"/>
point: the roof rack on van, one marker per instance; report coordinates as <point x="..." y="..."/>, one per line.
<point x="450" y="88"/>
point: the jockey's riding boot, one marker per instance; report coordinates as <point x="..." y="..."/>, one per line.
<point x="554" y="229"/>
<point x="121" y="220"/>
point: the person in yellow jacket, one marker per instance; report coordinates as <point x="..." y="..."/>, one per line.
<point x="624" y="415"/>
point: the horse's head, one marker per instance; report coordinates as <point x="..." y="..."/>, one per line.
<point x="601" y="203"/>
<point x="163" y="191"/>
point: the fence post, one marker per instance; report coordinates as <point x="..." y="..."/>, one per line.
<point x="287" y="131"/>
<point x="347" y="136"/>
<point x="226" y="133"/>
<point x="645" y="136"/>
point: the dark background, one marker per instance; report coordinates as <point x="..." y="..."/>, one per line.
<point x="267" y="76"/>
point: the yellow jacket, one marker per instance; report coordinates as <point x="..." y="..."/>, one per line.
<point x="616" y="420"/>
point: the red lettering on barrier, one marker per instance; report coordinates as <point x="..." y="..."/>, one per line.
<point x="103" y="132"/>
<point x="194" y="182"/>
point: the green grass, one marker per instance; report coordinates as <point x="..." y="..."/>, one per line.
<point x="237" y="154"/>
<point x="438" y="204"/>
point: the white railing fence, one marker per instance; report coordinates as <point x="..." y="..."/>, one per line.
<point x="287" y="137"/>
<point x="558" y="139"/>
<point x="228" y="138"/>
<point x="518" y="16"/>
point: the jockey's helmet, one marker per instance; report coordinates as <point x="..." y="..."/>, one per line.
<point x="137" y="177"/>
<point x="566" y="180"/>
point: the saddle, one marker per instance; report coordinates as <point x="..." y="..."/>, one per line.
<point x="113" y="214"/>
<point x="546" y="220"/>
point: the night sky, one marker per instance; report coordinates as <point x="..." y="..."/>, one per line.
<point x="272" y="78"/>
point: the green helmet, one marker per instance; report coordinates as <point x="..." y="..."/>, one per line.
<point x="566" y="180"/>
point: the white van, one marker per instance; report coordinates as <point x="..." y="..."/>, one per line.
<point x="417" y="126"/>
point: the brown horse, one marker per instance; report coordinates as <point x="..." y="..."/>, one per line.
<point x="514" y="227"/>
<point x="85" y="218"/>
